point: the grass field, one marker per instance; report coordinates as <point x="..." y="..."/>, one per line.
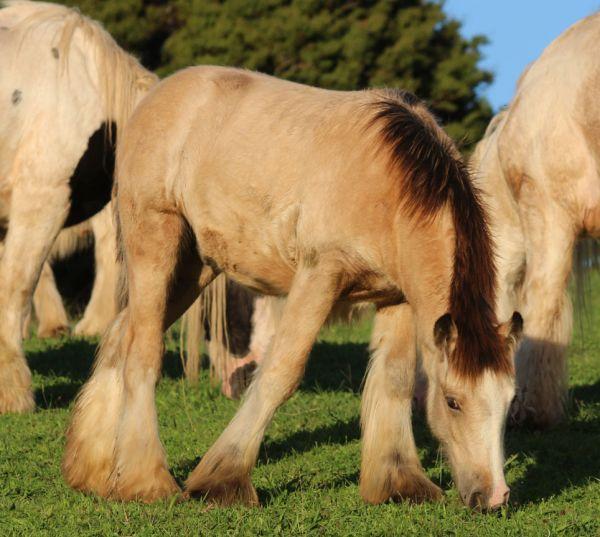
<point x="307" y="473"/>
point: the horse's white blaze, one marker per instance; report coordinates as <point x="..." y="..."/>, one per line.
<point x="500" y="395"/>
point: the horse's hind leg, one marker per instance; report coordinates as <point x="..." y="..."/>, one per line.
<point x="223" y="474"/>
<point x="102" y="307"/>
<point x="49" y="309"/>
<point x="547" y="312"/>
<point x="390" y="465"/>
<point x="113" y="447"/>
<point x="35" y="220"/>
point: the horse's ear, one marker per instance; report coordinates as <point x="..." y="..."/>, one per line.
<point x="512" y="330"/>
<point x="444" y="334"/>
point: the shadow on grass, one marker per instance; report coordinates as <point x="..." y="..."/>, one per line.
<point x="563" y="457"/>
<point x="336" y="367"/>
<point x="555" y="460"/>
<point x="72" y="359"/>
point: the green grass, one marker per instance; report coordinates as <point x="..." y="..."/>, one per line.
<point x="307" y="472"/>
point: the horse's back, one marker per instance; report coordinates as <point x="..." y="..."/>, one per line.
<point x="233" y="130"/>
<point x="38" y="100"/>
<point x="273" y="166"/>
<point x="550" y="140"/>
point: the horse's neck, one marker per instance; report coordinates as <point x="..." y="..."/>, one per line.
<point x="426" y="264"/>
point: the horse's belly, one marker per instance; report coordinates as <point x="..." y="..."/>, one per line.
<point x="256" y="258"/>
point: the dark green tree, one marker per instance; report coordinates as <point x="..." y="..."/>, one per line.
<point x="410" y="44"/>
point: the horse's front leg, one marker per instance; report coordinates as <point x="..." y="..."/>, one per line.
<point x="223" y="474"/>
<point x="541" y="360"/>
<point x="36" y="216"/>
<point x="390" y="467"/>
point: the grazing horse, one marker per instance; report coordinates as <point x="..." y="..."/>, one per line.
<point x="325" y="197"/>
<point x="540" y="166"/>
<point x="66" y="90"/>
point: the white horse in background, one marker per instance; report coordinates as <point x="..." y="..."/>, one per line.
<point x="66" y="91"/>
<point x="540" y="164"/>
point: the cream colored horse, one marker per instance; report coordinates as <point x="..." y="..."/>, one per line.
<point x="540" y="165"/>
<point x="324" y="197"/>
<point x="67" y="89"/>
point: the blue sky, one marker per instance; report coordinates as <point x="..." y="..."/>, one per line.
<point x="518" y="30"/>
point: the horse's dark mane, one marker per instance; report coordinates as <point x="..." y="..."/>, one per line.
<point x="433" y="174"/>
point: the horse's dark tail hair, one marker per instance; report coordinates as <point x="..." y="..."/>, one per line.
<point x="432" y="175"/>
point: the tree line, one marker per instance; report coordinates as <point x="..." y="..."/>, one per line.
<point x="336" y="44"/>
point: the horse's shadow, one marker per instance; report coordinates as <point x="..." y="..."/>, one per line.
<point x="554" y="460"/>
<point x="70" y="362"/>
<point x="67" y="365"/>
<point x="562" y="457"/>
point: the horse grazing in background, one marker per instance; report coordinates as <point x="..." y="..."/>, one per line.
<point x="540" y="167"/>
<point x="67" y="90"/>
<point x="326" y="197"/>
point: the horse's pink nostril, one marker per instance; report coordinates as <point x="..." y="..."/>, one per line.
<point x="499" y="498"/>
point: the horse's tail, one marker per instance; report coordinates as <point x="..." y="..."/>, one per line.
<point x="71" y="240"/>
<point x="191" y="338"/>
<point x="208" y="311"/>
<point x="432" y="175"/>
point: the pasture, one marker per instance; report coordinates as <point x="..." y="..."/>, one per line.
<point x="307" y="475"/>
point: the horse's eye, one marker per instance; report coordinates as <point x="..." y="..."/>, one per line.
<point x="452" y="404"/>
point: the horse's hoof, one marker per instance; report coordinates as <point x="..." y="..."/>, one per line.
<point x="403" y="485"/>
<point x="147" y="487"/>
<point x="16" y="400"/>
<point x="221" y="481"/>
<point x="87" y="329"/>
<point x="53" y="331"/>
<point x="418" y="488"/>
<point x="15" y="384"/>
<point x="233" y="492"/>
